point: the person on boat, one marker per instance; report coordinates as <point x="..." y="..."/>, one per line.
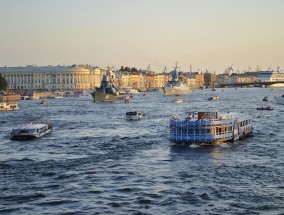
<point x="188" y="117"/>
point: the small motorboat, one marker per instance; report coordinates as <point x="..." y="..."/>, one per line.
<point x="215" y="98"/>
<point x="134" y="115"/>
<point x="43" y="102"/>
<point x="264" y="108"/>
<point x="265" y="99"/>
<point x="127" y="101"/>
<point x="31" y="130"/>
<point x="179" y="100"/>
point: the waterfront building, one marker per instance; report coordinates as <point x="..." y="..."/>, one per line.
<point x="33" y="77"/>
<point x="210" y="79"/>
<point x="82" y="77"/>
<point x="190" y="82"/>
<point x="199" y="76"/>
<point x="122" y="79"/>
<point x="224" y="79"/>
<point x="136" y="81"/>
<point x="194" y="79"/>
<point x="159" y="80"/>
<point x="150" y="81"/>
<point x="244" y="78"/>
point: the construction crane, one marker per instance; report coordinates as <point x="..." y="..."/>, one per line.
<point x="148" y="69"/>
<point x="228" y="70"/>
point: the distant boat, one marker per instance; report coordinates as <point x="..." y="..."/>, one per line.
<point x="126" y="90"/>
<point x="8" y="105"/>
<point x="107" y="92"/>
<point x="134" y="115"/>
<point x="33" y="98"/>
<point x="175" y="87"/>
<point x="215" y="98"/>
<point x="179" y="100"/>
<point x="132" y="91"/>
<point x="265" y="99"/>
<point x="25" y="97"/>
<point x="43" y="102"/>
<point x="264" y="108"/>
<point x="31" y="130"/>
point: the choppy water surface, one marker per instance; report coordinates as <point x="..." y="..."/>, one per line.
<point x="96" y="162"/>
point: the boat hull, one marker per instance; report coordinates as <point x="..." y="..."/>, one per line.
<point x="103" y="97"/>
<point x="23" y="137"/>
<point x="201" y="141"/>
<point x="134" y="118"/>
<point x="176" y="91"/>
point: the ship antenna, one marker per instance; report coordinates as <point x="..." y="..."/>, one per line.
<point x="176" y="67"/>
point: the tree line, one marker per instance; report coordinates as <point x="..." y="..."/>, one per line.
<point x="128" y="69"/>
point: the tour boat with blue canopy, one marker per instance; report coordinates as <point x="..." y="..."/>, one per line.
<point x="207" y="127"/>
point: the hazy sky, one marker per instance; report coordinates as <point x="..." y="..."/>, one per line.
<point x="207" y="34"/>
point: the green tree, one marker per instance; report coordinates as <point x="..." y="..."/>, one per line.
<point x="127" y="69"/>
<point x="3" y="83"/>
<point x="133" y="69"/>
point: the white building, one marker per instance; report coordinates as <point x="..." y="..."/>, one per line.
<point x="34" y="77"/>
<point x="271" y="76"/>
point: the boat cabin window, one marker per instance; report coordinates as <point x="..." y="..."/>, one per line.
<point x="223" y="129"/>
<point x="24" y="131"/>
<point x="207" y="115"/>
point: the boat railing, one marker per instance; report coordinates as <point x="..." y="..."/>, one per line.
<point x="175" y="121"/>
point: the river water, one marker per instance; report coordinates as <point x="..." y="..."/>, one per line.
<point x="96" y="162"/>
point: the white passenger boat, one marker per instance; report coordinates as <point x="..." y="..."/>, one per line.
<point x="207" y="127"/>
<point x="8" y="105"/>
<point x="134" y="115"/>
<point x="280" y="99"/>
<point x="31" y="130"/>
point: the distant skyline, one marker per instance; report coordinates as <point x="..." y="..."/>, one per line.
<point x="207" y="34"/>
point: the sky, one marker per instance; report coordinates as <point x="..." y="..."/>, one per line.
<point x="201" y="34"/>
